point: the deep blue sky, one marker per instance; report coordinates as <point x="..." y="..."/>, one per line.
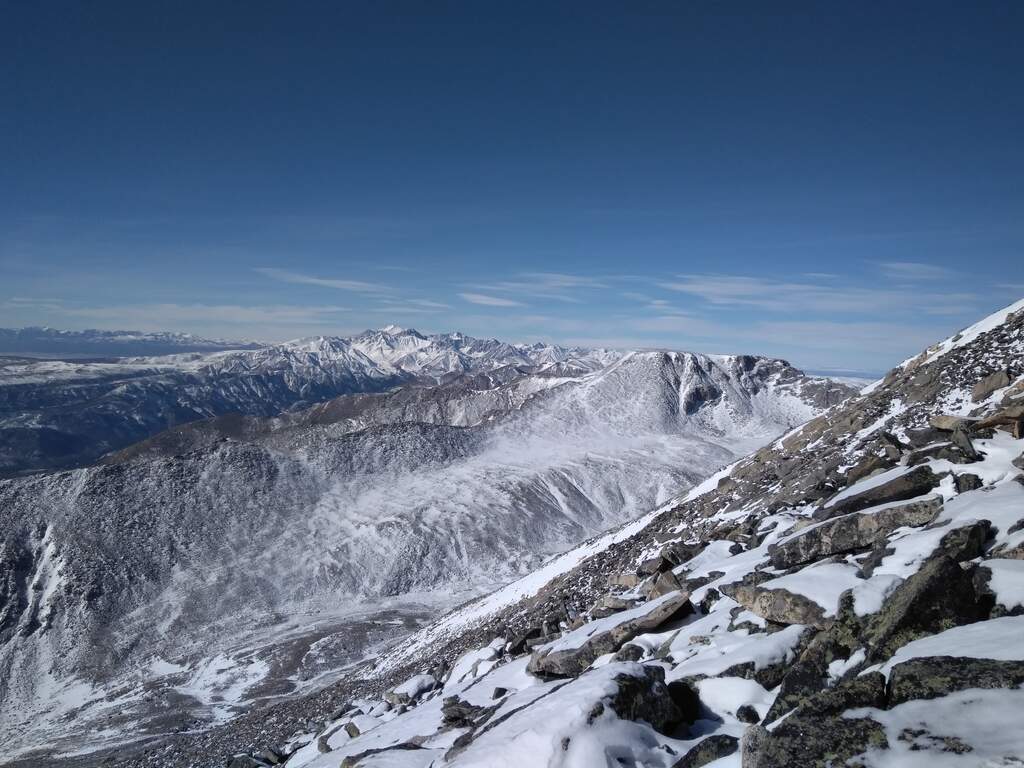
<point x="837" y="183"/>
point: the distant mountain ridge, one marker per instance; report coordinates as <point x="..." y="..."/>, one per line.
<point x="57" y="414"/>
<point x="37" y="341"/>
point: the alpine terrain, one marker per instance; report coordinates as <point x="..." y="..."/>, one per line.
<point x="243" y="560"/>
<point x="849" y="594"/>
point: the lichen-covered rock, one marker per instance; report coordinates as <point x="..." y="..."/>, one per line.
<point x="852" y="531"/>
<point x="939" y="596"/>
<point x="933" y="676"/>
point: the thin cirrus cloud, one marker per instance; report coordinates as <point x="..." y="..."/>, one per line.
<point x="485" y="300"/>
<point x="732" y="291"/>
<point x="914" y="270"/>
<point x="285" y="276"/>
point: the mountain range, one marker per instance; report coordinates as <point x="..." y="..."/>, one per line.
<point x="250" y="558"/>
<point x="56" y="414"/>
<point x="849" y="592"/>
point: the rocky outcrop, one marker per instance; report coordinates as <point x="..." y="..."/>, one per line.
<point x="571" y="655"/>
<point x="853" y="531"/>
<point x="909" y="485"/>
<point x="939" y="596"/>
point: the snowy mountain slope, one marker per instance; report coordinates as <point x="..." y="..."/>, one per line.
<point x="848" y="594"/>
<point x="60" y="414"/>
<point x="261" y="553"/>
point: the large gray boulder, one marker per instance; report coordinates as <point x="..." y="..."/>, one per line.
<point x="780" y="606"/>
<point x="852" y="531"/>
<point x="939" y="596"/>
<point x="909" y="485"/>
<point x="990" y="384"/>
<point x="572" y="654"/>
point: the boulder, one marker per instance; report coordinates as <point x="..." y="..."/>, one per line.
<point x="1009" y="419"/>
<point x="960" y="439"/>
<point x="966" y="482"/>
<point x="663" y="584"/>
<point x="626" y="580"/>
<point x="712" y="748"/>
<point x="990" y="384"/>
<point x="934" y="676"/>
<point x="746" y="713"/>
<point x="457" y="713"/>
<point x="966" y="542"/>
<point x="1019" y="462"/>
<point x="939" y="596"/>
<point x="867" y="466"/>
<point x="948" y="423"/>
<point x="852" y="532"/>
<point x="576" y="651"/>
<point x="270" y="757"/>
<point x="647" y="698"/>
<point x="817" y="734"/>
<point x="606" y="605"/>
<point x="810" y="742"/>
<point x="651" y="565"/>
<point x="780" y="606"/>
<point x="917" y="482"/>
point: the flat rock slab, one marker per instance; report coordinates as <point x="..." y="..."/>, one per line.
<point x="571" y="654"/>
<point x="909" y="485"/>
<point x="852" y="531"/>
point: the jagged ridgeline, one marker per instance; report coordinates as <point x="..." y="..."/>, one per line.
<point x="851" y="594"/>
<point x="239" y="560"/>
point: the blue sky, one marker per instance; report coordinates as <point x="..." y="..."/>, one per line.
<point x="838" y="184"/>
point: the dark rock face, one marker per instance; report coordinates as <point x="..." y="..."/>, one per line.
<point x="934" y="676"/>
<point x="646" y="698"/>
<point x="853" y="531"/>
<point x="939" y="596"/>
<point x="710" y="749"/>
<point x="915" y="483"/>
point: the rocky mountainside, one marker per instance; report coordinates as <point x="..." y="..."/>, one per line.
<point x="58" y="414"/>
<point x="850" y="594"/>
<point x="247" y="559"/>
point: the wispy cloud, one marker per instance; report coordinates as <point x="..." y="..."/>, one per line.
<point x="550" y="286"/>
<point x="285" y="276"/>
<point x="914" y="270"/>
<point x="489" y="301"/>
<point x="731" y="291"/>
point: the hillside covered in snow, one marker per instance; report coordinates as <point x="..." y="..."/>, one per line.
<point x="244" y="559"/>
<point x="848" y="594"/>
